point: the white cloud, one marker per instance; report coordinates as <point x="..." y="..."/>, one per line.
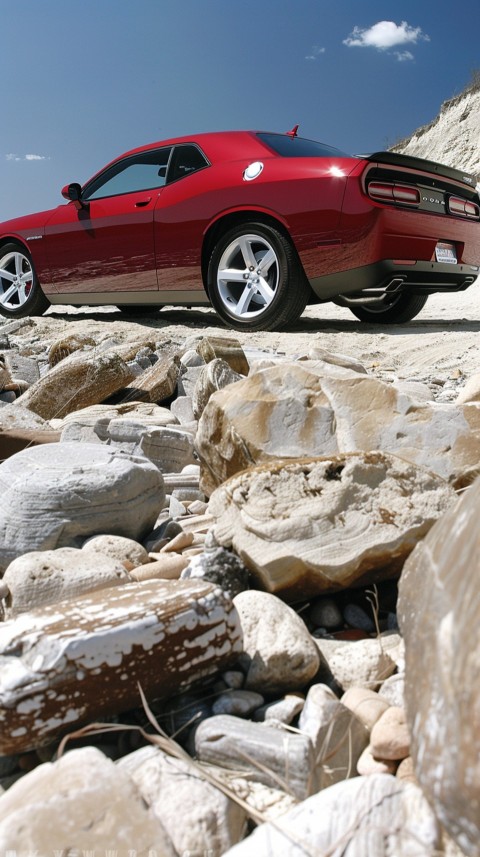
<point x="13" y="157"/>
<point x="315" y="53"/>
<point x="403" y="56"/>
<point x="385" y="35"/>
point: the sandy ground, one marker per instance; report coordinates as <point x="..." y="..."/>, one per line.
<point x="442" y="341"/>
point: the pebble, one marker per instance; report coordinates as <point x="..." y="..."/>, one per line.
<point x="284" y="710"/>
<point x="390" y="738"/>
<point x="241" y="703"/>
<point x="324" y="613"/>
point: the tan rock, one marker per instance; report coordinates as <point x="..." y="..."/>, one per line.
<point x="439" y="613"/>
<point x="149" y="413"/>
<point x="284" y="519"/>
<point x="155" y="384"/>
<point x="85" y="379"/>
<point x="317" y="408"/>
<point x="46" y="577"/>
<point x="406" y="771"/>
<point x="117" y="547"/>
<point x="167" y="567"/>
<point x="83" y="659"/>
<point x="470" y="392"/>
<point x="226" y="348"/>
<point x="368" y="764"/>
<point x="357" y="663"/>
<point x="82" y="801"/>
<point x="366" y="704"/>
<point x="66" y="345"/>
<point x="390" y="737"/>
<point x="180" y="541"/>
<point x="5" y="376"/>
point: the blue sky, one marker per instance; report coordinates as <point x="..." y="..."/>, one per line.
<point x="84" y="80"/>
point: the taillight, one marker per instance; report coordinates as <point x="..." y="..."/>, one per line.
<point x="389" y="192"/>
<point x="463" y="208"/>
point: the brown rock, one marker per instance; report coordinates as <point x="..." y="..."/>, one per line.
<point x="155" y="384"/>
<point x="284" y="519"/>
<point x="14" y="440"/>
<point x="225" y="348"/>
<point x="439" y="613"/>
<point x="390" y="738"/>
<point x="66" y="345"/>
<point x="85" y="379"/>
<point x="83" y="659"/>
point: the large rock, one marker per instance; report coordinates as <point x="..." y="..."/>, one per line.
<point x="45" y="577"/>
<point x="439" y="612"/>
<point x="82" y="803"/>
<point x="316" y="408"/>
<point x="278" y="652"/>
<point x="216" y="375"/>
<point x="83" y="379"/>
<point x="371" y="816"/>
<point x="83" y="659"/>
<point x="155" y="384"/>
<point x="224" y="348"/>
<point x="285" y="519"/>
<point x="59" y="494"/>
<point x="211" y="822"/>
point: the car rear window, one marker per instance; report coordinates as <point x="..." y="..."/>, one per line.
<point x="298" y="147"/>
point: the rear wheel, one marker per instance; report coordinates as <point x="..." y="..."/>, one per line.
<point x="255" y="281"/>
<point x="20" y="291"/>
<point x="404" y="308"/>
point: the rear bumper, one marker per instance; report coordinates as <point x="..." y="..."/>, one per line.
<point x="421" y="278"/>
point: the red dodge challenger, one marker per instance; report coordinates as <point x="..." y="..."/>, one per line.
<point x="258" y="224"/>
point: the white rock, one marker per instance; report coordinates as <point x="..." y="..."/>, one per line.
<point x="278" y="652"/>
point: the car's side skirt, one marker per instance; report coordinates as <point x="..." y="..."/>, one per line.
<point x="184" y="297"/>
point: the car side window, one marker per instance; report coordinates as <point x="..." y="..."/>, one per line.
<point x="145" y="171"/>
<point x="185" y="159"/>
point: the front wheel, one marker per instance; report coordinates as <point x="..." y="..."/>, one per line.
<point x="404" y="308"/>
<point x="255" y="280"/>
<point x="20" y="291"/>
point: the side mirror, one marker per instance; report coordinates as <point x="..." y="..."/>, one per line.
<point x="73" y="192"/>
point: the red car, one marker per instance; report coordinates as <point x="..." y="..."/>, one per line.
<point x="258" y="224"/>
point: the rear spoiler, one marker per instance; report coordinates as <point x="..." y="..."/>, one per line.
<point x="413" y="163"/>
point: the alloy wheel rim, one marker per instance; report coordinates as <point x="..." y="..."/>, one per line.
<point x="16" y="280"/>
<point x="247" y="276"/>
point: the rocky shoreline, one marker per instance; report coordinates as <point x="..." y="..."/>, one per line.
<point x="200" y="549"/>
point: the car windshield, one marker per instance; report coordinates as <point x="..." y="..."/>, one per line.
<point x="298" y="147"/>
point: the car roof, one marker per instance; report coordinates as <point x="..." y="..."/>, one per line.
<point x="222" y="145"/>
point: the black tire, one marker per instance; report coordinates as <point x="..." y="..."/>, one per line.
<point x="138" y="309"/>
<point x="22" y="296"/>
<point x="256" y="298"/>
<point x="403" y="309"/>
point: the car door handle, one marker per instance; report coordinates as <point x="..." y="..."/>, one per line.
<point x="142" y="202"/>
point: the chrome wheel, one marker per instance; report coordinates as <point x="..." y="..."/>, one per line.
<point x="247" y="276"/>
<point x="16" y="280"/>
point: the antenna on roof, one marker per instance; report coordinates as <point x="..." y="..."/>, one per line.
<point x="293" y="132"/>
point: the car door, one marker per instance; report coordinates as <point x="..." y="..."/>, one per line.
<point x="107" y="245"/>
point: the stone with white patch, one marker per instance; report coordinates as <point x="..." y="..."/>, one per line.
<point x="83" y="659"/>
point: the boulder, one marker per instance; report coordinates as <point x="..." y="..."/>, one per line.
<point x="439" y="614"/>
<point x="58" y="494"/>
<point x="284" y="519"/>
<point x="312" y="408"/>
<point x="362" y="817"/>
<point x="85" y="379"/>
<point x="81" y="660"/>
<point x="82" y="801"/>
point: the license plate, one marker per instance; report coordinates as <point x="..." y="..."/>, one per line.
<point x="446" y="253"/>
